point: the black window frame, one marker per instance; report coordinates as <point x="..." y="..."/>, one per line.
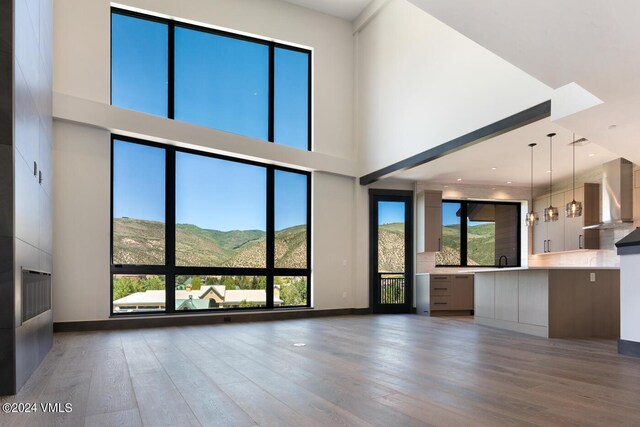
<point x="172" y="24"/>
<point x="169" y="270"/>
<point x="463" y="232"/>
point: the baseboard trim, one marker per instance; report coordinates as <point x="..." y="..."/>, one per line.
<point x="629" y="348"/>
<point x="202" y="319"/>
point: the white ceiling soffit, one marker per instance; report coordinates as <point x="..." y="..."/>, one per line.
<point x="593" y="43"/>
<point x="510" y="155"/>
<point x="345" y="9"/>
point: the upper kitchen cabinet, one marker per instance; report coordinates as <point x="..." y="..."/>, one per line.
<point x="567" y="234"/>
<point x="549" y="236"/>
<point x="575" y="237"/>
<point x="429" y="221"/>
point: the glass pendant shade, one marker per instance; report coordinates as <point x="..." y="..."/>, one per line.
<point x="573" y="209"/>
<point x="532" y="219"/>
<point x="550" y="214"/>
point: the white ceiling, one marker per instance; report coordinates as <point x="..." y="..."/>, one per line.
<point x="594" y="43"/>
<point x="510" y="155"/>
<point x="345" y="9"/>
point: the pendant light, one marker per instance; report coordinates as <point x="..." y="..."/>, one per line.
<point x="573" y="209"/>
<point x="550" y="213"/>
<point x="532" y="217"/>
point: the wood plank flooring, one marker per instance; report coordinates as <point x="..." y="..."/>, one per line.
<point x="394" y="370"/>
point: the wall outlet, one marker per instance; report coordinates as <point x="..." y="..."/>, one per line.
<point x="344" y="295"/>
<point x="344" y="262"/>
<point x="592" y="277"/>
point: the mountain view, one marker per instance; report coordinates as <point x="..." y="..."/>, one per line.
<point x="391" y="247"/>
<point x="142" y="242"/>
<point x="481" y="245"/>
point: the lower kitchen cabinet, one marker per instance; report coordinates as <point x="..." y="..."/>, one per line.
<point x="451" y="294"/>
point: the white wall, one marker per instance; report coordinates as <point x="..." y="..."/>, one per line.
<point x="82" y="149"/>
<point x="629" y="298"/>
<point x="420" y="84"/>
<point x="82" y="51"/>
<point x="333" y="245"/>
<point x="81" y="222"/>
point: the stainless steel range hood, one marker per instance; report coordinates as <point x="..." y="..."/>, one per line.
<point x="617" y="195"/>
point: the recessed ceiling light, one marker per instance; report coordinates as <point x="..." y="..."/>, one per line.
<point x="509" y="182"/>
<point x="459" y="179"/>
<point x="548" y="171"/>
<point x="446" y="186"/>
<point x="592" y="154"/>
<point x="494" y="168"/>
<point x="493" y="188"/>
<point x="612" y="126"/>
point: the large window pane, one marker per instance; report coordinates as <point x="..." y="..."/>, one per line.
<point x="139" y="64"/>
<point x="220" y="213"/>
<point x="222" y="83"/>
<point x="492" y="233"/>
<point x="290" y="291"/>
<point x="451" y="242"/>
<point x="215" y="292"/>
<point x="290" y="220"/>
<point x="291" y="98"/>
<point x="139" y="292"/>
<point x="391" y="249"/>
<point x="138" y="204"/>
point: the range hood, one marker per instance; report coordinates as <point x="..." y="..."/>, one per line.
<point x="617" y="195"/>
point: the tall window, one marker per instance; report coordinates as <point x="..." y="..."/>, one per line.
<point x="239" y="84"/>
<point x="483" y="234"/>
<point x="194" y="231"/>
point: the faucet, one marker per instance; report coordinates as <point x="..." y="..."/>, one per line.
<point x="506" y="261"/>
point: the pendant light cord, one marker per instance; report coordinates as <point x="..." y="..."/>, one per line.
<point x="550" y="169"/>
<point x="532" y="145"/>
<point x="574" y="167"/>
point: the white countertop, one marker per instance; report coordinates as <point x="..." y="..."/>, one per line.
<point x="493" y="270"/>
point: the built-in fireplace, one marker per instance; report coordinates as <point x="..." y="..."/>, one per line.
<point x="36" y="293"/>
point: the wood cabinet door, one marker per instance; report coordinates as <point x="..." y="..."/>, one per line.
<point x="462" y="292"/>
<point x="540" y="229"/>
<point x="433" y="229"/>
<point x="573" y="233"/>
<point x="555" y="229"/>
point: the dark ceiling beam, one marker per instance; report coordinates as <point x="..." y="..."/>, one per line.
<point x="505" y="125"/>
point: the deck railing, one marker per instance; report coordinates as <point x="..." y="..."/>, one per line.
<point x="391" y="288"/>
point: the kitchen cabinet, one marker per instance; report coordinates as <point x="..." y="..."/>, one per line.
<point x="567" y="234"/>
<point x="452" y="293"/>
<point x="549" y="236"/>
<point x="550" y="302"/>
<point x="575" y="237"/>
<point x="429" y="221"/>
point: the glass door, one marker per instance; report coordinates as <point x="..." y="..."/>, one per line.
<point x="391" y="240"/>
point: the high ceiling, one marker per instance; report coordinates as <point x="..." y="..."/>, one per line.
<point x="345" y="9"/>
<point x="594" y="43"/>
<point x="510" y="155"/>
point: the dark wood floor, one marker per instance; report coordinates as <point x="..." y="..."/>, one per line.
<point x="394" y="370"/>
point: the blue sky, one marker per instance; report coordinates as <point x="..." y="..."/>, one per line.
<point x="220" y="82"/>
<point x="138" y="181"/>
<point x="210" y="193"/>
<point x="139" y="70"/>
<point x="390" y="212"/>
<point x="449" y="213"/>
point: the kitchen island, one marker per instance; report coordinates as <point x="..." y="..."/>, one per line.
<point x="550" y="302"/>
